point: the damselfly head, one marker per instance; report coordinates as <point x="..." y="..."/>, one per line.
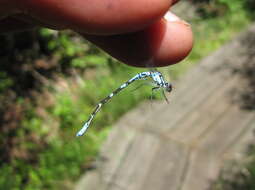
<point x="168" y="87"/>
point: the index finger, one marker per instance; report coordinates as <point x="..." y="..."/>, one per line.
<point x="101" y="17"/>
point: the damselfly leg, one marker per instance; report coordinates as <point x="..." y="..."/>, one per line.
<point x="164" y="95"/>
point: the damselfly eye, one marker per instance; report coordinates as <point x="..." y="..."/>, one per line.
<point x="168" y="87"/>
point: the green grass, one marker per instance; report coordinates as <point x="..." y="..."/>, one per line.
<point x="65" y="157"/>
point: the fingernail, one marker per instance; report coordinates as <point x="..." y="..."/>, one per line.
<point x="169" y="16"/>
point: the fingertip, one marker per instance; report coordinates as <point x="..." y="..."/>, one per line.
<point x="175" y="45"/>
<point x="100" y="17"/>
<point x="162" y="44"/>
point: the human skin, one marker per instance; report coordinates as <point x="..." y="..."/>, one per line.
<point x="133" y="31"/>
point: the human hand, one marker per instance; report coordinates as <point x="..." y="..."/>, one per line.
<point x="133" y="31"/>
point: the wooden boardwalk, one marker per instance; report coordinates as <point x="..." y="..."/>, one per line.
<point x="181" y="145"/>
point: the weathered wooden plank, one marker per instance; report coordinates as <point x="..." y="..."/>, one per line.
<point x="201" y="171"/>
<point x="111" y="155"/>
<point x="167" y="170"/>
<point x="91" y="181"/>
<point x="225" y="131"/>
<point x="152" y="163"/>
<point x="239" y="148"/>
<point x="200" y="119"/>
<point x="205" y="162"/>
<point x="136" y="164"/>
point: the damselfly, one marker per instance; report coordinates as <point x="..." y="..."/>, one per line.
<point x="158" y="82"/>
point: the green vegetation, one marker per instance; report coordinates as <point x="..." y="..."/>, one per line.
<point x="40" y="147"/>
<point x="238" y="175"/>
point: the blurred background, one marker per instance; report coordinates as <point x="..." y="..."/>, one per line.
<point x="51" y="80"/>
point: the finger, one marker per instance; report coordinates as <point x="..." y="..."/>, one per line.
<point x="163" y="43"/>
<point x="97" y="16"/>
<point x="21" y="22"/>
